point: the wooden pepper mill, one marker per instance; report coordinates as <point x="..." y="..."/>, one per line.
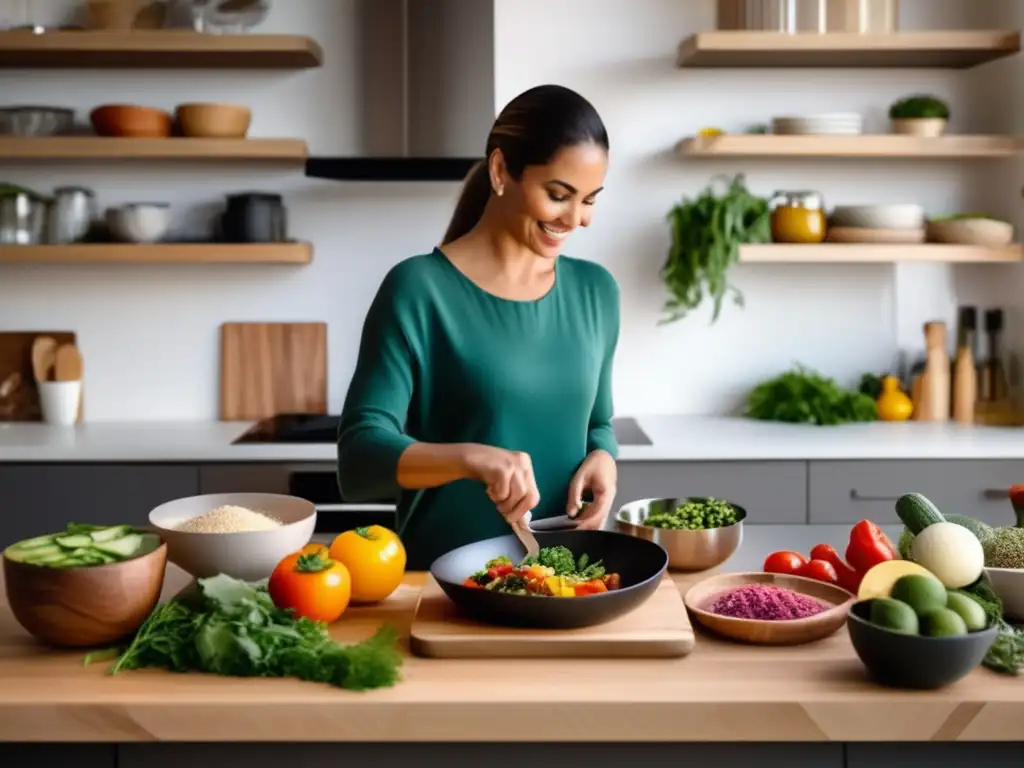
<point x="933" y="386"/>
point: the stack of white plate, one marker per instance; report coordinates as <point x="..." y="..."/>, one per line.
<point x="835" y="124"/>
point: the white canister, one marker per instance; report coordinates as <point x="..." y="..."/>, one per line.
<point x="59" y="401"/>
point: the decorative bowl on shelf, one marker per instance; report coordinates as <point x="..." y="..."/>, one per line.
<point x="213" y="121"/>
<point x="922" y="127"/>
<point x="138" y="222"/>
<point x="971" y="230"/>
<point x="892" y="216"/>
<point x="131" y="121"/>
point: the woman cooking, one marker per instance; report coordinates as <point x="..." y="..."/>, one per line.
<point x="483" y="382"/>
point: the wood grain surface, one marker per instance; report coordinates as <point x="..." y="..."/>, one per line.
<point x="720" y="692"/>
<point x="660" y="628"/>
<point x="272" y="368"/>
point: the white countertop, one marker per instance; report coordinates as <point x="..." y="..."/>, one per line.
<point x="676" y="438"/>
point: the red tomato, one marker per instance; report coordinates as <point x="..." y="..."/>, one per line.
<point x="849" y="578"/>
<point x="820" y="570"/>
<point x="312" y="585"/>
<point x="788" y="563"/>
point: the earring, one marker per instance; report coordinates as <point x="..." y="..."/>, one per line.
<point x="499" y="191"/>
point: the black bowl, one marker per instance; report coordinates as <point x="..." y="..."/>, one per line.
<point x="913" y="661"/>
<point x="639" y="563"/>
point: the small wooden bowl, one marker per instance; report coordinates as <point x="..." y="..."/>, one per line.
<point x="213" y="121"/>
<point x="701" y="596"/>
<point x="131" y="121"/>
<point x="85" y="607"/>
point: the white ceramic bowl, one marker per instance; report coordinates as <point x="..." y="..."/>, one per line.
<point x="139" y="222"/>
<point x="989" y="233"/>
<point x="878" y="216"/>
<point x="1008" y="583"/>
<point x="250" y="555"/>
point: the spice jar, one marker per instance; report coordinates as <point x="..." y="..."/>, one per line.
<point x="798" y="217"/>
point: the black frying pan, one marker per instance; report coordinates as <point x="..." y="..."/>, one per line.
<point x="640" y="563"/>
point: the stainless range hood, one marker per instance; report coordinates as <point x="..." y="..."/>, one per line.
<point x="427" y="96"/>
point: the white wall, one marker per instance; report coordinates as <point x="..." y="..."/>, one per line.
<point x="149" y="333"/>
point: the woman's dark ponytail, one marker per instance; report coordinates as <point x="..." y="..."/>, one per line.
<point x="476" y="191"/>
<point x="530" y="130"/>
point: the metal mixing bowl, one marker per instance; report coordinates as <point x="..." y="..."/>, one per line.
<point x="687" y="550"/>
<point x="36" y="121"/>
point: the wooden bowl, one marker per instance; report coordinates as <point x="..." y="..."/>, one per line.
<point x="701" y="596"/>
<point x="213" y="121"/>
<point x="131" y="121"/>
<point x="922" y="127"/>
<point x="85" y="607"/>
<point x="989" y="233"/>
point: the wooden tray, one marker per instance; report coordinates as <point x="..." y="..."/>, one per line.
<point x="660" y="628"/>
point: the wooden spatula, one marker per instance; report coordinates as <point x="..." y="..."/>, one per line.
<point x="67" y="365"/>
<point x="44" y="354"/>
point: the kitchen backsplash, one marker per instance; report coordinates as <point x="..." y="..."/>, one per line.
<point x="149" y="333"/>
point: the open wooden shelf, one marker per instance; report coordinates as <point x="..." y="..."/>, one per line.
<point x="854" y="253"/>
<point x="156" y="49"/>
<point x="160" y="253"/>
<point x="292" y="151"/>
<point x="940" y="49"/>
<point x="882" y="145"/>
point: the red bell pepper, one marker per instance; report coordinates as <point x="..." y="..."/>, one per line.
<point x="847" y="577"/>
<point x="868" y="547"/>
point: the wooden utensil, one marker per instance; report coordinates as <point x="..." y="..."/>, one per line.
<point x="935" y="381"/>
<point x="83" y="607"/>
<point x="67" y="363"/>
<point x="44" y="354"/>
<point x="659" y="628"/>
<point x="700" y="598"/>
<point x="272" y="368"/>
<point x="16" y="357"/>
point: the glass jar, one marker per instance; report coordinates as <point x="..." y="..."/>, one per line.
<point x="798" y="217"/>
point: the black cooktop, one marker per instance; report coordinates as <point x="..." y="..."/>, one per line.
<point x="313" y="428"/>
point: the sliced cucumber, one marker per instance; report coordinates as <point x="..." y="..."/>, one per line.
<point x="83" y="546"/>
<point x="73" y="542"/>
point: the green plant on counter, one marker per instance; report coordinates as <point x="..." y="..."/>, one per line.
<point x="707" y="232"/>
<point x="802" y="396"/>
<point x="919" y="107"/>
<point x="231" y="627"/>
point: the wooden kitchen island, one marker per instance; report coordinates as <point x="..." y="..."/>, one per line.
<point x="726" y="700"/>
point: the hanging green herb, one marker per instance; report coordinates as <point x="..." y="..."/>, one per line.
<point x="707" y="233"/>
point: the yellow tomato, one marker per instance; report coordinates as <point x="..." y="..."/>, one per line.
<point x="375" y="558"/>
<point x="312" y="547"/>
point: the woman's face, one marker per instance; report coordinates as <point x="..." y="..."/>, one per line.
<point x="550" y="201"/>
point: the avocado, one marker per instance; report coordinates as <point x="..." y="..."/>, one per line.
<point x="922" y="593"/>
<point x="894" y="615"/>
<point x="942" y="622"/>
<point x="969" y="610"/>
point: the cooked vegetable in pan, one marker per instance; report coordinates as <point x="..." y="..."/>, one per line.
<point x="555" y="572"/>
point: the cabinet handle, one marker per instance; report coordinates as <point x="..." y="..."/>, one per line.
<point x="855" y="496"/>
<point x="996" y="494"/>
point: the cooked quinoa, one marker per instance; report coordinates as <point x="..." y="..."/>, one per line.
<point x="229" y="519"/>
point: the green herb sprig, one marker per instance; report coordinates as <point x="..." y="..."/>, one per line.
<point x="707" y="233"/>
<point x="1006" y="655"/>
<point x="232" y="627"/>
<point x="803" y="396"/>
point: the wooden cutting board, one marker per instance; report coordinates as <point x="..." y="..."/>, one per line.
<point x="272" y="368"/>
<point x="16" y="359"/>
<point x="660" y="628"/>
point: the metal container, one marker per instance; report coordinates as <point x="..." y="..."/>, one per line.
<point x="72" y="213"/>
<point x="687" y="550"/>
<point x="36" y="121"/>
<point x="22" y="219"/>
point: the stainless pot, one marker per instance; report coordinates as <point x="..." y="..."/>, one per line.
<point x="22" y="219"/>
<point x="72" y="213"/>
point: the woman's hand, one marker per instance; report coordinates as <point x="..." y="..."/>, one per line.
<point x="508" y="477"/>
<point x="598" y="475"/>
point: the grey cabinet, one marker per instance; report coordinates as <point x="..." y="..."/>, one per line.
<point x="41" y="498"/>
<point x="770" y="491"/>
<point x="931" y="755"/>
<point x="58" y="755"/>
<point x="848" y="491"/>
